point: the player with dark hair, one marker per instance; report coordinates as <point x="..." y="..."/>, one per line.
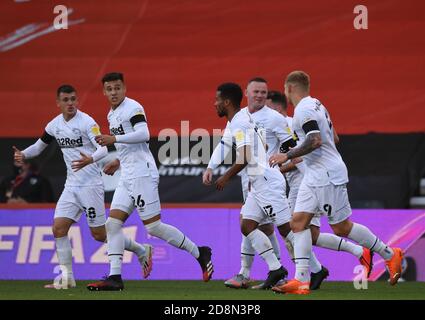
<point x="138" y="185"/>
<point x="75" y="133"/>
<point x="265" y="198"/>
<point x="274" y="130"/>
<point x="277" y="101"/>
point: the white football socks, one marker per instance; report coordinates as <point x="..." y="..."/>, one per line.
<point x="289" y="244"/>
<point x="115" y="245"/>
<point x="262" y="245"/>
<point x="133" y="246"/>
<point x="173" y="236"/>
<point x="302" y="251"/>
<point x="275" y="244"/>
<point x="363" y="236"/>
<point x="315" y="265"/>
<point x="64" y="252"/>
<point x="247" y="257"/>
<point x="333" y="242"/>
<point x="248" y="253"/>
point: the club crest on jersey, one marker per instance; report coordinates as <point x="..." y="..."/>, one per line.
<point x="117" y="131"/>
<point x="70" y="143"/>
<point x="76" y="131"/>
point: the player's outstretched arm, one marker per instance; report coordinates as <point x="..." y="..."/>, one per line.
<point x="30" y="152"/>
<point x="141" y="134"/>
<point x="105" y="140"/>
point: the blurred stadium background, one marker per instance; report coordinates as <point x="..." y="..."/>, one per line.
<point x="174" y="53"/>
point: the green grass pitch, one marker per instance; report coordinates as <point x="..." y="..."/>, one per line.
<point x="213" y="290"/>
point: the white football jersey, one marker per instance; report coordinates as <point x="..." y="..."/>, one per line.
<point x="136" y="159"/>
<point x="244" y="132"/>
<point x="273" y="126"/>
<point x="292" y="176"/>
<point x="75" y="136"/>
<point x="273" y="129"/>
<point x="226" y="140"/>
<point x="324" y="165"/>
<point x="224" y="148"/>
<point x="289" y="121"/>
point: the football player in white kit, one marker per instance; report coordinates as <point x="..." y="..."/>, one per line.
<point x="266" y="198"/>
<point x="274" y="128"/>
<point x="75" y="133"/>
<point x="323" y="189"/>
<point x="294" y="175"/>
<point x="138" y="185"/>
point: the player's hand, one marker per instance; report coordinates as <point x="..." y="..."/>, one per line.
<point x="105" y="140"/>
<point x="278" y="159"/>
<point x="297" y="160"/>
<point x="18" y="156"/>
<point x="111" y="167"/>
<point x="221" y="183"/>
<point x="82" y="162"/>
<point x="207" y="177"/>
<point x="290" y="165"/>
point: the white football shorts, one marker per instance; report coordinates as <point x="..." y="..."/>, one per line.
<point x="330" y="201"/>
<point x="141" y="193"/>
<point x="294" y="182"/>
<point x="76" y="200"/>
<point x="266" y="202"/>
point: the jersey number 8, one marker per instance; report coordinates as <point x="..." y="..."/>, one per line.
<point x="90" y="212"/>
